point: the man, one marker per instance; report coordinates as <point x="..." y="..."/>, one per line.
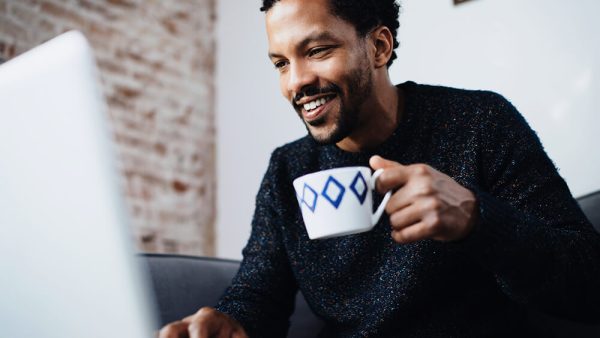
<point x="480" y="223"/>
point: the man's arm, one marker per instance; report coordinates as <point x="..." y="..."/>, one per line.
<point x="262" y="293"/>
<point x="532" y="233"/>
<point x="520" y="222"/>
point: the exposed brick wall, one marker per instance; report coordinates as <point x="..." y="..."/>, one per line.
<point x="157" y="65"/>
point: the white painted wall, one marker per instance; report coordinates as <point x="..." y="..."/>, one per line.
<point x="543" y="55"/>
<point x="252" y="119"/>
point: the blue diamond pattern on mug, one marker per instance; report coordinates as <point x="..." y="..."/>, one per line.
<point x="309" y="197"/>
<point x="359" y="187"/>
<point x="333" y="191"/>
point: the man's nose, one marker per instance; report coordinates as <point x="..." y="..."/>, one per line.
<point x="300" y="77"/>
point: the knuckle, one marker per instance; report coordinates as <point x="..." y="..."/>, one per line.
<point x="420" y="169"/>
<point x="395" y="220"/>
<point x="197" y="322"/>
<point x="168" y="330"/>
<point x="165" y="331"/>
<point x="383" y="177"/>
<point x="205" y="311"/>
<point x="396" y="236"/>
<point x="390" y="209"/>
<point x="196" y="325"/>
<point x="434" y="223"/>
<point x="399" y="236"/>
<point x="426" y="189"/>
<point x="433" y="204"/>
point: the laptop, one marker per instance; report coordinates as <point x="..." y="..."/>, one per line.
<point x="67" y="262"/>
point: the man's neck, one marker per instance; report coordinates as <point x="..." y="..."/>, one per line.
<point x="378" y="121"/>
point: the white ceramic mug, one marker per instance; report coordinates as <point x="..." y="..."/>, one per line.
<point x="339" y="201"/>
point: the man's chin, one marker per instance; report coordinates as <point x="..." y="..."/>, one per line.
<point x="324" y="137"/>
<point x="316" y="123"/>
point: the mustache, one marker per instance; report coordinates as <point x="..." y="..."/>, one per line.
<point x="314" y="90"/>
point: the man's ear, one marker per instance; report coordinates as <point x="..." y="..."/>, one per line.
<point x="383" y="41"/>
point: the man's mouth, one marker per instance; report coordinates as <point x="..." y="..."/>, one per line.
<point x="314" y="108"/>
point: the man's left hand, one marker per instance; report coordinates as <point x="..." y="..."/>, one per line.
<point x="425" y="202"/>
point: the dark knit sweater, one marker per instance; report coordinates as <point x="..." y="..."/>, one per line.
<point x="533" y="246"/>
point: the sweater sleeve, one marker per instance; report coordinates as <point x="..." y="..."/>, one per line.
<point x="532" y="235"/>
<point x="261" y="297"/>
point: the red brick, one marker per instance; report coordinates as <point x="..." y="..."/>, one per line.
<point x="30" y="3"/>
<point x="95" y="7"/>
<point x="170" y="25"/>
<point x="101" y="31"/>
<point x="119" y="102"/>
<point x="43" y="25"/>
<point x="24" y="14"/>
<point x="63" y="13"/>
<point x="13" y="30"/>
<point x="179" y="186"/>
<point x="160" y="148"/>
<point x="10" y="51"/>
<point x="111" y="66"/>
<point x="127" y="92"/>
<point x="123" y="3"/>
<point x="182" y="16"/>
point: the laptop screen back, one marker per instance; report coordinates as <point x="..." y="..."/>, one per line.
<point x="67" y="265"/>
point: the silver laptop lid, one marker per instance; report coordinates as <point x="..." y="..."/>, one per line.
<point x="67" y="264"/>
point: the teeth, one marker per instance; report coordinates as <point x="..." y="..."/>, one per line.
<point x="314" y="104"/>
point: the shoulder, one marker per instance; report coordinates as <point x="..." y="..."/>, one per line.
<point x="457" y="98"/>
<point x="464" y="106"/>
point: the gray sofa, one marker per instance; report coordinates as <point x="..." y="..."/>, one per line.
<point x="183" y="284"/>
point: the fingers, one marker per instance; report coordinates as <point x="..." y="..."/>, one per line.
<point x="405" y="217"/>
<point x="426" y="203"/>
<point x="418" y="189"/>
<point x="412" y="233"/>
<point x="205" y="323"/>
<point x="378" y="162"/>
<point x="393" y="177"/>
<point x="417" y="221"/>
<point x="174" y="330"/>
<point x="239" y="334"/>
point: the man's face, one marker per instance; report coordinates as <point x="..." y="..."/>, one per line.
<point x="324" y="68"/>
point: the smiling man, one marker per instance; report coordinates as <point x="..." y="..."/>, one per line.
<point x="480" y="225"/>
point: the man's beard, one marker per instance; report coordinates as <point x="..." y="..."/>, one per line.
<point x="360" y="84"/>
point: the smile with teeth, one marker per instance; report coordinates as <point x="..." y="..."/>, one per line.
<point x="316" y="103"/>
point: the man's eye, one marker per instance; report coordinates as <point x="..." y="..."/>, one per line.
<point x="317" y="50"/>
<point x="280" y="64"/>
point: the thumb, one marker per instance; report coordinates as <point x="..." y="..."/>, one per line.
<point x="378" y="162"/>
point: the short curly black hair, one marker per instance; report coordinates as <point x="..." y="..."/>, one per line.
<point x="364" y="15"/>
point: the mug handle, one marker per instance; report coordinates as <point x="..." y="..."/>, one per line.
<point x="377" y="215"/>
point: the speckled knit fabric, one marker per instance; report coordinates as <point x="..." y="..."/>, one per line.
<point x="533" y="246"/>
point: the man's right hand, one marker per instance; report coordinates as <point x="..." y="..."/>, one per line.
<point x="205" y="323"/>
